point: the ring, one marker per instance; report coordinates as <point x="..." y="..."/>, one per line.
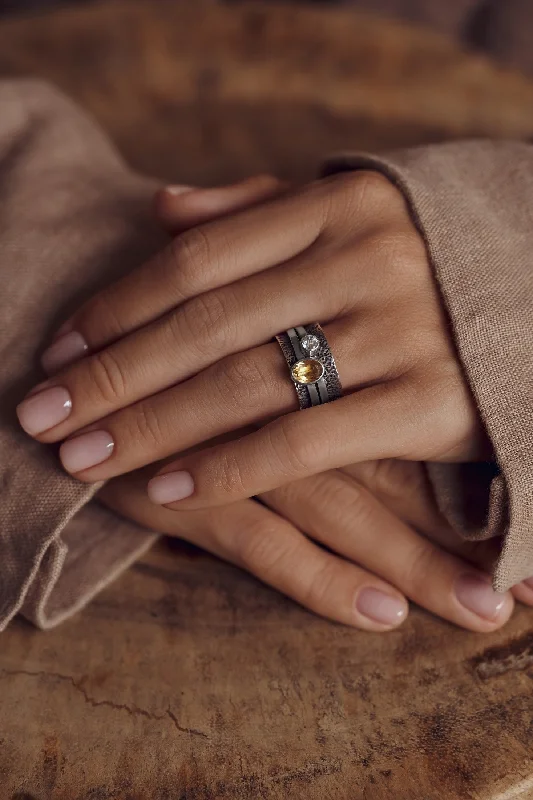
<point x="311" y="364"/>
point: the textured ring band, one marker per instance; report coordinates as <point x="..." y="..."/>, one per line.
<point x="311" y="365"/>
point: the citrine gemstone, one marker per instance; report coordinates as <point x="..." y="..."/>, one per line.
<point x="309" y="370"/>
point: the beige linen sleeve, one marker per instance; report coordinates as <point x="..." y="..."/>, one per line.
<point x="71" y="215"/>
<point x="473" y="204"/>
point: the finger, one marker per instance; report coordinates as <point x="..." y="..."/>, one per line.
<point x="348" y="519"/>
<point x="223" y="251"/>
<point x="241" y="390"/>
<point x="199" y="260"/>
<point x="178" y="209"/>
<point x="292" y="447"/>
<point x="523" y="592"/>
<point x="235" y="317"/>
<point x="256" y="539"/>
<point x="403" y="487"/>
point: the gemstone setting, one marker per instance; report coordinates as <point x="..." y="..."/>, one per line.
<point x="306" y="371"/>
<point x="309" y="343"/>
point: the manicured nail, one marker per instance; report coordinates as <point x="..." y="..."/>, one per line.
<point x="177" y="190"/>
<point x="476" y="594"/>
<point x="528" y="582"/>
<point x="44" y="410"/>
<point x="170" y="488"/>
<point x="381" y="607"/>
<point x="86" y="450"/>
<point x="63" y="351"/>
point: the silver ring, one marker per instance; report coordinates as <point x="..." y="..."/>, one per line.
<point x="311" y="364"/>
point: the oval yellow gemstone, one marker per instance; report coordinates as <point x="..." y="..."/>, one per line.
<point x="307" y="371"/>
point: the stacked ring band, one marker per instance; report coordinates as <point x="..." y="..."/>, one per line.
<point x="311" y="364"/>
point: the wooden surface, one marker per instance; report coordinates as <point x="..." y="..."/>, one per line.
<point x="187" y="680"/>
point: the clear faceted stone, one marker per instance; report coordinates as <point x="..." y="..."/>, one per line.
<point x="309" y="343"/>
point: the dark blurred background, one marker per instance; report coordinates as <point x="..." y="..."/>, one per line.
<point x="208" y="91"/>
<point x="503" y="27"/>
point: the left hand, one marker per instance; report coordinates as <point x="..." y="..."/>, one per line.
<point x="176" y="354"/>
<point x="353" y="545"/>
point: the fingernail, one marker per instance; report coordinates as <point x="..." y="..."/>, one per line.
<point x="528" y="582"/>
<point x="63" y="351"/>
<point x="381" y="607"/>
<point x="477" y="595"/>
<point x="39" y="412"/>
<point x="170" y="488"/>
<point x="177" y="190"/>
<point x="86" y="450"/>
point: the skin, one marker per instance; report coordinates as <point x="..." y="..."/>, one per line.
<point x="377" y="518"/>
<point x="177" y="353"/>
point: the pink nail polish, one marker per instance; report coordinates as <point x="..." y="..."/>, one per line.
<point x="63" y="351"/>
<point x="170" y="488"/>
<point x="86" y="450"/>
<point x="475" y="593"/>
<point x="41" y="411"/>
<point x="380" y="607"/>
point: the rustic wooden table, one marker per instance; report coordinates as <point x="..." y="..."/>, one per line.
<point x="187" y="680"/>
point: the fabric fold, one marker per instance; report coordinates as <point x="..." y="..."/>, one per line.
<point x="71" y="216"/>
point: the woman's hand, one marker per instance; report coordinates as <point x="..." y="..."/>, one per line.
<point x="175" y="352"/>
<point x="387" y="540"/>
<point x="367" y="517"/>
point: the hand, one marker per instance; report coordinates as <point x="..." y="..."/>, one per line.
<point x="376" y="518"/>
<point x="177" y="354"/>
<point x="376" y="557"/>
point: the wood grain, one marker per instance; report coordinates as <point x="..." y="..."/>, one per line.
<point x="187" y="680"/>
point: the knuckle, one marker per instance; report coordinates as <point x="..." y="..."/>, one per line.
<point x="364" y="190"/>
<point x="108" y="377"/>
<point x="398" y="479"/>
<point x="189" y="262"/>
<point x="146" y="424"/>
<point x="347" y="500"/>
<point x="229" y="477"/>
<point x="99" y="321"/>
<point x="241" y="383"/>
<point x="204" y="321"/>
<point x="421" y="569"/>
<point x="294" y="451"/>
<point x="259" y="548"/>
<point x="323" y="585"/>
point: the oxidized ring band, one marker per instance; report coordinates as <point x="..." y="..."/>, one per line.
<point x="311" y="364"/>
